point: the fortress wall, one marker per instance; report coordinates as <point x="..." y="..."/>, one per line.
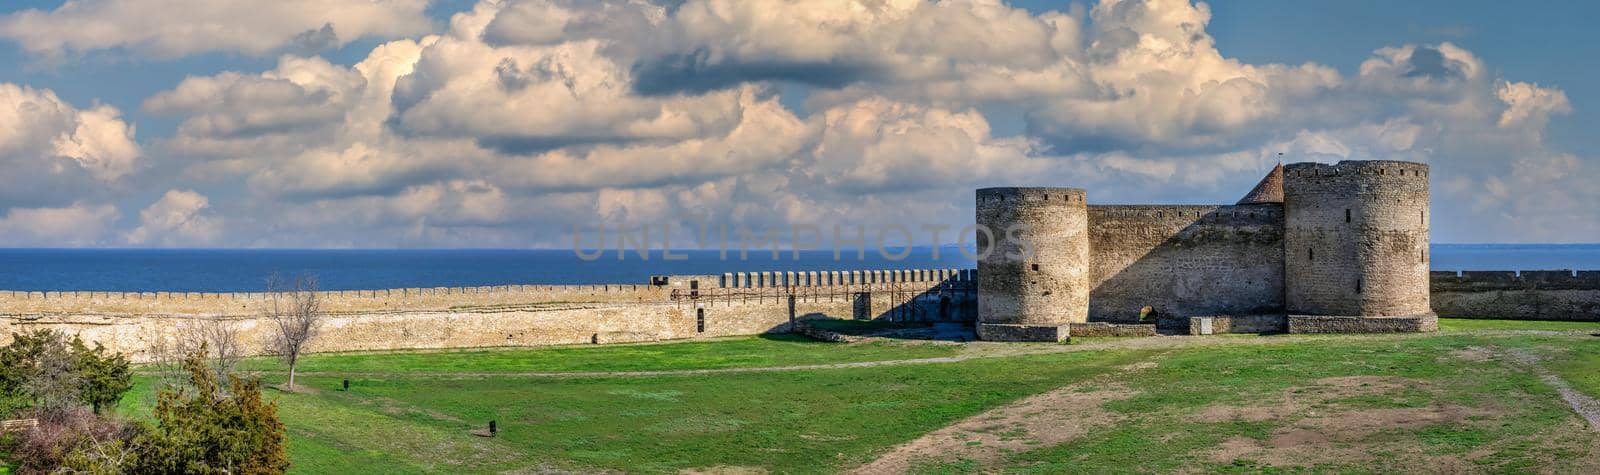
<point x="136" y="335"/>
<point x="1530" y="295"/>
<point x="248" y="303"/>
<point x="1185" y="260"/>
<point x="498" y="316"/>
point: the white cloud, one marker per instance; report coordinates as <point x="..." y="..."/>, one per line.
<point x="526" y="117"/>
<point x="52" y="153"/>
<point x="1529" y="105"/>
<point x="877" y="145"/>
<point x="172" y="28"/>
<point x="302" y="93"/>
<point x="81" y="224"/>
<point x="531" y="98"/>
<point x="177" y="219"/>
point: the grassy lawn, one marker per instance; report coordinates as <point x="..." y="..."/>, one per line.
<point x="1579" y="365"/>
<point x="1576" y="359"/>
<point x="737" y="352"/>
<point x="1355" y="404"/>
<point x="1395" y="406"/>
<point x="1472" y="324"/>
<point x="791" y="422"/>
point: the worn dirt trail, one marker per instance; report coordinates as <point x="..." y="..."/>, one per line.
<point x="1580" y="403"/>
<point x="1042" y="420"/>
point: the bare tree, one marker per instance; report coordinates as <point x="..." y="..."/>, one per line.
<point x="295" y="313"/>
<point x="214" y="338"/>
<point x="166" y="350"/>
<point x="218" y="339"/>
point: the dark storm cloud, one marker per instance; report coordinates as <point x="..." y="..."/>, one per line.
<point x="313" y="41"/>
<point x="695" y="73"/>
<point x="1429" y="62"/>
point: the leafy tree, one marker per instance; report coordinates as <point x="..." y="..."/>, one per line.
<point x="20" y="368"/>
<point x="56" y="382"/>
<point x="102" y="377"/>
<point x="41" y="369"/>
<point x="208" y="430"/>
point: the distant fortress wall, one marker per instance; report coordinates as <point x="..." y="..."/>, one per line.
<point x="1528" y="295"/>
<point x="670" y="307"/>
<point x="749" y="303"/>
<point x="1185" y="260"/>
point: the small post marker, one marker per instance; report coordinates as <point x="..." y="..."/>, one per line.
<point x="347" y="384"/>
<point x="492" y="428"/>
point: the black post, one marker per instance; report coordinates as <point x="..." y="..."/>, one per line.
<point x="492" y="428"/>
<point x="347" y="384"/>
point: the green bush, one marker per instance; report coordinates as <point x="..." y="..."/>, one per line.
<point x="204" y="429"/>
<point x="41" y="369"/>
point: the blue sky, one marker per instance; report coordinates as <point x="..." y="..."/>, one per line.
<point x="1544" y="42"/>
<point x="753" y="115"/>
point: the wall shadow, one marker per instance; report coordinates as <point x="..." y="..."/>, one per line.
<point x="1154" y="263"/>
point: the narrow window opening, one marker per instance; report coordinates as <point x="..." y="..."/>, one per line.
<point x="700" y="320"/>
<point x="1422" y="217"/>
<point x="1347" y="215"/>
<point x="1311" y="254"/>
<point x="1358" y="286"/>
<point x="1036" y="268"/>
<point x="1424" y="254"/>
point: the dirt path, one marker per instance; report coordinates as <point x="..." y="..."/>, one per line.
<point x="1581" y="403"/>
<point x="970" y="351"/>
<point x="1042" y="420"/>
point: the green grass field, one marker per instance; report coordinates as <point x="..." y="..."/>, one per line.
<point x="1464" y="324"/>
<point x="743" y="352"/>
<point x="1444" y="402"/>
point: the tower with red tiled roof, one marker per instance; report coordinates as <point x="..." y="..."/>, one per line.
<point x="1269" y="190"/>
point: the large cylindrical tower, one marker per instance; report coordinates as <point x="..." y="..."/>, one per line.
<point x="1033" y="271"/>
<point x="1356" y="239"/>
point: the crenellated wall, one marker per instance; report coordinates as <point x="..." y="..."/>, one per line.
<point x="517" y="315"/>
<point x="1185" y="260"/>
<point x="1530" y="295"/>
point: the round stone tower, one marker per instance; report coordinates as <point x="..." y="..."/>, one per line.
<point x="1356" y="239"/>
<point x="1033" y="271"/>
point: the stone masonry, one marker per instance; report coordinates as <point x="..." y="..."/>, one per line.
<point x="1346" y="240"/>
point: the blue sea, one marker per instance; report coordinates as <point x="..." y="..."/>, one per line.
<point x="235" y="270"/>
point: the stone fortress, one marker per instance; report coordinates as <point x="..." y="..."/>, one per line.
<point x="1313" y="248"/>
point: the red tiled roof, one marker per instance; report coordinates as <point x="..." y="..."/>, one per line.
<point x="1270" y="190"/>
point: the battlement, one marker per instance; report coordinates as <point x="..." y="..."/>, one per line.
<point x="248" y="303"/>
<point x="1037" y="196"/>
<point x="1386" y="168"/>
<point x="1474" y="281"/>
<point x="660" y="289"/>
<point x="788" y="279"/>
